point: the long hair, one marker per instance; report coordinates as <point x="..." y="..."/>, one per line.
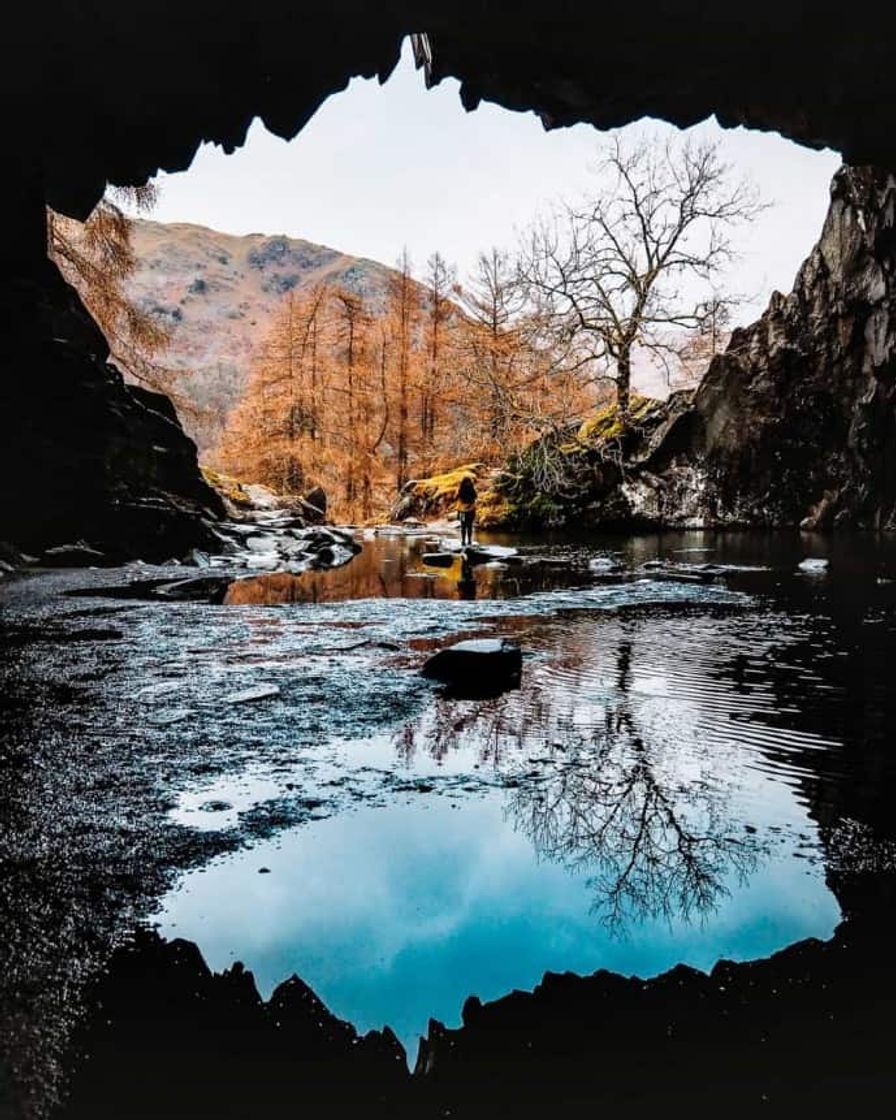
<point x="466" y="492"/>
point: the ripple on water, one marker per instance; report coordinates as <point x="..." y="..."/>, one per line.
<point x="639" y="802"/>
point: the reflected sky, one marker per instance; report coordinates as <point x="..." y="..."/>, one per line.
<point x="395" y="915"/>
<point x="648" y="796"/>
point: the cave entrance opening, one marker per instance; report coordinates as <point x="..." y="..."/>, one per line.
<point x="272" y="266"/>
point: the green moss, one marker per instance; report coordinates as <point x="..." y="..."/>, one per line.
<point x="443" y="487"/>
<point x="493" y="510"/>
<point x="227" y="487"/>
<point x="607" y="422"/>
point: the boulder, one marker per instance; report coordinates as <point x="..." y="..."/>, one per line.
<point x="197" y="558"/>
<point x="315" y="501"/>
<point x="331" y="556"/>
<point x="480" y="665"/>
<point x="202" y="589"/>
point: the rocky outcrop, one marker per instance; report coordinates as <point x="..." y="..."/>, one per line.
<point x="794" y="424"/>
<point x="83" y="455"/>
<point x="796" y="421"/>
<point x="808" y="1029"/>
<point x="596" y="471"/>
<point x="168" y="1038"/>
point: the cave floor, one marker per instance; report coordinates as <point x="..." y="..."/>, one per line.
<point x="156" y="755"/>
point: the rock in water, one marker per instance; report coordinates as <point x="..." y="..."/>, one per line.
<point x="438" y="559"/>
<point x="198" y="558"/>
<point x="317" y="500"/>
<point x="260" y="692"/>
<point x="814" y="565"/>
<point x="482" y="665"/>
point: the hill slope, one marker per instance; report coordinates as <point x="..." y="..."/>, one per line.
<point x="217" y="293"/>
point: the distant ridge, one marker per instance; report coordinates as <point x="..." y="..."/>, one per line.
<point x="218" y="291"/>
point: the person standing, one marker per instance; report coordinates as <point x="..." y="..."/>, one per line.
<point x="466" y="509"/>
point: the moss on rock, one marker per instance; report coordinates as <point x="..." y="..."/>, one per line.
<point x="228" y="487"/>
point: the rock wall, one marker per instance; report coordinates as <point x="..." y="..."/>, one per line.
<point x="797" y="420"/>
<point x="107" y="91"/>
<point x="795" y="423"/>
<point x="83" y="455"/>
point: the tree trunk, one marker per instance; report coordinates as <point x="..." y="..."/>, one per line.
<point x="623" y="387"/>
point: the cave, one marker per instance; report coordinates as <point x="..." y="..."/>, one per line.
<point x="795" y="425"/>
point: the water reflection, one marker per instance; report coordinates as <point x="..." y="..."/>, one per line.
<point x="649" y="779"/>
<point x="466" y="584"/>
<point x="635" y="813"/>
<point x="650" y="849"/>
<point x="660" y="774"/>
<point x="393" y="568"/>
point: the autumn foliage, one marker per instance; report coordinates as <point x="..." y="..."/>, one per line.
<point x="361" y="397"/>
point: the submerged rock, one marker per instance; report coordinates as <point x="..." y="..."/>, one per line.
<point x="249" y="695"/>
<point x="439" y="559"/>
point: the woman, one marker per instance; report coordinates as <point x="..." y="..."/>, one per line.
<point x="466" y="509"/>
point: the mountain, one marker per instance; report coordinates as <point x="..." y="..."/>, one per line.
<point x="217" y="293"/>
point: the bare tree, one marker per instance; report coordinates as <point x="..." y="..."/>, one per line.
<point x="638" y="263"/>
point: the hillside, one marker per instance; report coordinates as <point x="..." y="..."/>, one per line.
<point x="217" y="292"/>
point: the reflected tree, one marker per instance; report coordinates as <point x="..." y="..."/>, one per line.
<point x="653" y="846"/>
<point x="622" y="801"/>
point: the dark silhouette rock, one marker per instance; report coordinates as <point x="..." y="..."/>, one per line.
<point x="810" y="1029"/>
<point x="806" y="1030"/>
<point x="480" y="663"/>
<point x="315" y="501"/>
<point x="91" y="457"/>
<point x="220" y="75"/>
<point x="439" y="559"/>
<point x="168" y="1038"/>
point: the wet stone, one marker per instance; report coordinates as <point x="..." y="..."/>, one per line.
<point x="250" y="695"/>
<point x="478" y="662"/>
<point x="438" y="559"/>
<point x="813" y="565"/>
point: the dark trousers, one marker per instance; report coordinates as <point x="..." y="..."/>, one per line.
<point x="466" y="526"/>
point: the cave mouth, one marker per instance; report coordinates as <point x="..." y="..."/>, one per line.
<point x="378" y="172"/>
<point x="86" y="446"/>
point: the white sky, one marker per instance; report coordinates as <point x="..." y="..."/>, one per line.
<point x="379" y="168"/>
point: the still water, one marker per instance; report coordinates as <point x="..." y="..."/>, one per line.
<point x="657" y="791"/>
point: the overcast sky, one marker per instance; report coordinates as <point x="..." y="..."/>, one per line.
<point x="382" y="167"/>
